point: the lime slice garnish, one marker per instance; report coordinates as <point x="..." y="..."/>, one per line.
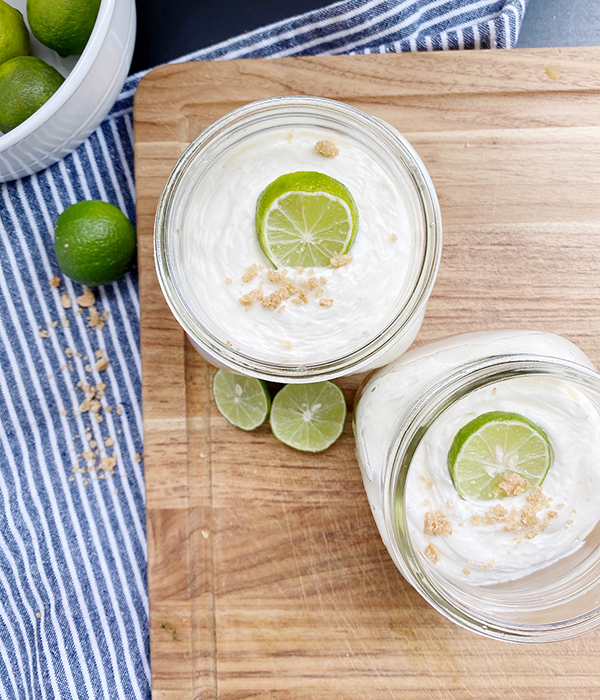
<point x="498" y="454"/>
<point x="244" y="401"/>
<point x="309" y="417"/>
<point x="305" y="219"/>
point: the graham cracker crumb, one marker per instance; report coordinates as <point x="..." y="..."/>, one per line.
<point x="120" y="410"/>
<point x="250" y="274"/>
<point x="276" y="275"/>
<point x="138" y="457"/>
<point x="248" y="299"/>
<point x="44" y="334"/>
<point x="499" y="511"/>
<point x="54" y="324"/>
<point x="466" y="572"/>
<point x="229" y="344"/>
<point x="513" y="484"/>
<point x="68" y="353"/>
<point x="325" y="302"/>
<point x="287" y="345"/>
<point x="311" y="283"/>
<point x="432" y="553"/>
<point x="490" y="565"/>
<point x="228" y="280"/>
<point x="273" y="300"/>
<point x="94" y="320"/>
<point x="86" y="299"/>
<point x="327" y="148"/>
<point x="340" y="260"/>
<point x="102" y="362"/>
<point x="393" y="239"/>
<point x="109" y="442"/>
<point x="297" y="290"/>
<point x="107" y="465"/>
<point x="436" y="524"/>
<point x="54" y="282"/>
<point x="65" y="322"/>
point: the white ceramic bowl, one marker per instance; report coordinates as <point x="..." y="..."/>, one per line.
<point x="93" y="82"/>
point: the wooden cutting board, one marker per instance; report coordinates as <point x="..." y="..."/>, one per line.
<point x="267" y="577"/>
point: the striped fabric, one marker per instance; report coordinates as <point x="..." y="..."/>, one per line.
<point x="73" y="595"/>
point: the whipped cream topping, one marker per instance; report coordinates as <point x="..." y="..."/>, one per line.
<point x="357" y="300"/>
<point x="507" y="538"/>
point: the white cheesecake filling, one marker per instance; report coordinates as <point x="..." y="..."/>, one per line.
<point x="219" y="244"/>
<point x="486" y="545"/>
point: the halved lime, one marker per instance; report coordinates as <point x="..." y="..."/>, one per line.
<point x="488" y="450"/>
<point x="305" y="219"/>
<point x="244" y="401"/>
<point x="309" y="417"/>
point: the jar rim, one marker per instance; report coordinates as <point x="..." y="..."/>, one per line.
<point x="417" y="297"/>
<point x="409" y="430"/>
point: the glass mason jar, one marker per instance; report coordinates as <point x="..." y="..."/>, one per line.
<point x="199" y="168"/>
<point x="397" y="408"/>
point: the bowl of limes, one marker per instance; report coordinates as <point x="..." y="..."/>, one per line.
<point x="62" y="66"/>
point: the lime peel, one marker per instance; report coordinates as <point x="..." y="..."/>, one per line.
<point x="243" y="401"/>
<point x="305" y="219"/>
<point x="94" y="242"/>
<point x="498" y="454"/>
<point x="309" y="417"/>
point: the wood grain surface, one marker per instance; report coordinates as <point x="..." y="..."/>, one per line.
<point x="267" y="577"/>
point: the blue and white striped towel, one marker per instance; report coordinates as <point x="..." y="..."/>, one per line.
<point x="73" y="596"/>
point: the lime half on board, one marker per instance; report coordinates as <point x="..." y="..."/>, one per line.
<point x="498" y="454"/>
<point x="309" y="417"/>
<point x="305" y="219"/>
<point x="244" y="401"/>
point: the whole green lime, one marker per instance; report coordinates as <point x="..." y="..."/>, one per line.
<point x="26" y="83"/>
<point x="14" y="37"/>
<point x="63" y="25"/>
<point x="94" y="243"/>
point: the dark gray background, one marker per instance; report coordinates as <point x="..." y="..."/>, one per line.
<point x="168" y="29"/>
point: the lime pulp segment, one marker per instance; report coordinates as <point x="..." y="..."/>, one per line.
<point x="497" y="448"/>
<point x="244" y="401"/>
<point x="305" y="219"/>
<point x="309" y="417"/>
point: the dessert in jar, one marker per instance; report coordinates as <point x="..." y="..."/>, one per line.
<point x="298" y="319"/>
<point x="480" y="456"/>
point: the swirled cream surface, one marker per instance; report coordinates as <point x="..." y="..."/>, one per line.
<point x="342" y="308"/>
<point x="487" y="542"/>
<point x="502" y="539"/>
